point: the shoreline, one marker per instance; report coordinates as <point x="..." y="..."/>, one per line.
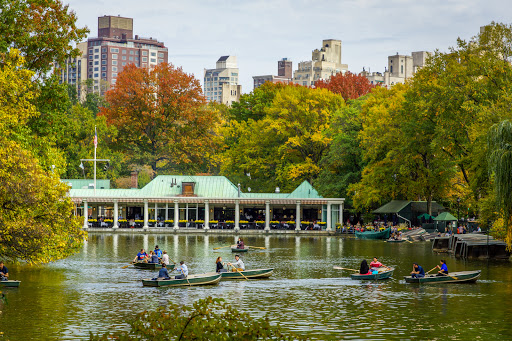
<point x="164" y="230"/>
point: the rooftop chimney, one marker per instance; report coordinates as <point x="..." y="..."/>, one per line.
<point x="134" y="179"/>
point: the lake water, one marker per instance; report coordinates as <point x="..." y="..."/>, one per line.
<point x="90" y="292"/>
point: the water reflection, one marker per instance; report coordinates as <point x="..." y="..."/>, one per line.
<point x="91" y="292"/>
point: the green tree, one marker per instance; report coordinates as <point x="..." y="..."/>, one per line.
<point x="207" y="319"/>
<point x="285" y="147"/>
<point x="43" y="30"/>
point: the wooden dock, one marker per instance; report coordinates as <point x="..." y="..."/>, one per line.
<point x="472" y="246"/>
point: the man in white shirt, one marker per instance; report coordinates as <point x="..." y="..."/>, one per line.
<point x="238" y="264"/>
<point x="165" y="258"/>
<point x="183" y="269"/>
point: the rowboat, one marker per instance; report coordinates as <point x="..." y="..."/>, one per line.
<point x="452" y="277"/>
<point x="383" y="274"/>
<point x="395" y="240"/>
<point x="10" y="283"/>
<point x="253" y="274"/>
<point x="235" y="249"/>
<point x="384" y="234"/>
<point x="151" y="266"/>
<point x="200" y="279"/>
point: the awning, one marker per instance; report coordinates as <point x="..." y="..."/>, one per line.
<point x="445" y="216"/>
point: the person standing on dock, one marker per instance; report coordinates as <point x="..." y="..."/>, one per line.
<point x="417" y="271"/>
<point x="239" y="264"/>
<point x="443" y="269"/>
<point x="183" y="269"/>
<point x="4" y="273"/>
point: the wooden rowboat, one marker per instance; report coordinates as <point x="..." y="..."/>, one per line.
<point x="384" y="234"/>
<point x="395" y="241"/>
<point x="200" y="279"/>
<point x="383" y="274"/>
<point x="151" y="266"/>
<point x="10" y="283"/>
<point x="452" y="277"/>
<point x="253" y="274"/>
<point x="235" y="249"/>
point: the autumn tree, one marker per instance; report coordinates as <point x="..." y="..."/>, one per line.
<point x="285" y="147"/>
<point x="348" y="85"/>
<point x="43" y="30"/>
<point x="36" y="216"/>
<point x="161" y="118"/>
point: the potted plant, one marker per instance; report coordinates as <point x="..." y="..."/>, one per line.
<point x="304" y="225"/>
<point x="138" y="223"/>
<point x="122" y="222"/>
<point x="93" y="222"/>
<point x="199" y="223"/>
<point x="182" y="223"/>
<point x="152" y="223"/>
<point x="274" y="224"/>
<point x="244" y="224"/>
<point x="229" y="224"/>
<point x="169" y="223"/>
<point x="260" y="224"/>
<point x="214" y="224"/>
<point x="291" y="225"/>
<point x="322" y="224"/>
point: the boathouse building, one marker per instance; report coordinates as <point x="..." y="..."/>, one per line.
<point x="202" y="202"/>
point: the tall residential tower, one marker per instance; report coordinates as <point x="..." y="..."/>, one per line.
<point x="221" y="83"/>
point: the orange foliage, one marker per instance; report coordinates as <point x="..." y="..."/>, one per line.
<point x="161" y="116"/>
<point x="348" y="85"/>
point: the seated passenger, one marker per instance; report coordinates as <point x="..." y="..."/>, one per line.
<point x="364" y="269"/>
<point x="443" y="269"/>
<point x="418" y="271"/>
<point x="220" y="266"/>
<point x="153" y="258"/>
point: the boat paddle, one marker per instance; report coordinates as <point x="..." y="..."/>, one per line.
<point x="257" y="247"/>
<point x="216" y="248"/>
<point x="340" y="268"/>
<point x="455" y="278"/>
<point x="124" y="267"/>
<point x="432" y="269"/>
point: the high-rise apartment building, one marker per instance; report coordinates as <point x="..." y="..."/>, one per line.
<point x="116" y="47"/>
<point x="74" y="71"/>
<point x="221" y="83"/>
<point x="284" y="74"/>
<point x="400" y="67"/>
<point x="323" y="64"/>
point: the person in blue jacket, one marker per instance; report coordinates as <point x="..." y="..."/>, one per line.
<point x="417" y="271"/>
<point x="443" y="269"/>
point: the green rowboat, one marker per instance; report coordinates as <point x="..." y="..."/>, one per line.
<point x="151" y="266"/>
<point x="10" y="283"/>
<point x="452" y="277"/>
<point x="235" y="249"/>
<point x="200" y="279"/>
<point x="252" y="274"/>
<point x="385" y="273"/>
<point x="374" y="235"/>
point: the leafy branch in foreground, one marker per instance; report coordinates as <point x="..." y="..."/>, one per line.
<point x="207" y="319"/>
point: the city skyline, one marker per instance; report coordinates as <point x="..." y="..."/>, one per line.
<point x="261" y="32"/>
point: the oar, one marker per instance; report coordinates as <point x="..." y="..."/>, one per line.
<point x="239" y="272"/>
<point x="455" y="278"/>
<point x="432" y="269"/>
<point x="124" y="267"/>
<point x="340" y="268"/>
<point x="216" y="248"/>
<point x="257" y="247"/>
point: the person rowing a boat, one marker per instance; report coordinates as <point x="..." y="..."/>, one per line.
<point x="375" y="264"/>
<point x="220" y="266"/>
<point x="4" y="273"/>
<point x="443" y="269"/>
<point x="165" y="258"/>
<point x="239" y="264"/>
<point x="240" y="244"/>
<point x="417" y="271"/>
<point x="141" y="256"/>
<point x="184" y="271"/>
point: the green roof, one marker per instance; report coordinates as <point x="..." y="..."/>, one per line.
<point x="87" y="183"/>
<point x="394" y="206"/>
<point x="445" y="216"/>
<point x="204" y="186"/>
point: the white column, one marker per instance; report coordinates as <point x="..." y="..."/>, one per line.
<point x="176" y="214"/>
<point x="341" y="216"/>
<point x="328" y="227"/>
<point x="206" y="215"/>
<point x="237" y="215"/>
<point x="166" y="211"/>
<point x="86" y="215"/>
<point x="267" y="215"/>
<point x="146" y="214"/>
<point x="297" y="216"/>
<point x="116" y="215"/>
<point x="156" y="211"/>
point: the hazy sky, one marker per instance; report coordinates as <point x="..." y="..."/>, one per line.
<point x="260" y="32"/>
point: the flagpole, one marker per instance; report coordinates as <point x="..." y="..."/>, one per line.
<point x="95" y="145"/>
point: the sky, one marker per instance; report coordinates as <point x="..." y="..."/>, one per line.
<point x="261" y="32"/>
